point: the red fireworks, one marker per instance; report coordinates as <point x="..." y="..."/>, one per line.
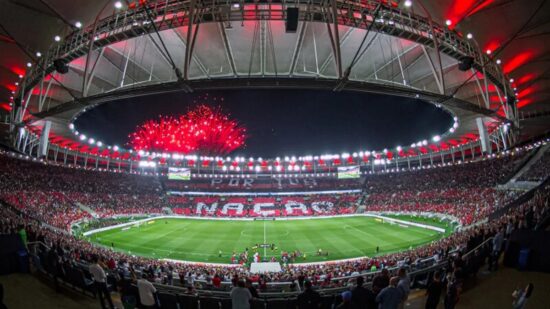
<point x="202" y="130"/>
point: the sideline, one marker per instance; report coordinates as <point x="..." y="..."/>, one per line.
<point x="370" y="214"/>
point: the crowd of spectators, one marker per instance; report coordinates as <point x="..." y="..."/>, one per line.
<point x="313" y="205"/>
<point x="70" y="251"/>
<point x="55" y="194"/>
<point x="466" y="191"/>
<point x="234" y="183"/>
<point x="539" y="170"/>
<point x="44" y="192"/>
<point x="52" y="193"/>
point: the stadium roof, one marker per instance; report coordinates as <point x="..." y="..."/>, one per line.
<point x="386" y="49"/>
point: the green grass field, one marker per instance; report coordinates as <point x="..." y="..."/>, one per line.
<point x="201" y="240"/>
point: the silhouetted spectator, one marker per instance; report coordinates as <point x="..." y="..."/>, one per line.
<point x="240" y="296"/>
<point x="391" y="296"/>
<point x="309" y="299"/>
<point x="435" y="288"/>
<point x="381" y="281"/>
<point x="361" y="296"/>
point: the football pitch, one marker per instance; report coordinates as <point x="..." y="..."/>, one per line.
<point x="202" y="240"/>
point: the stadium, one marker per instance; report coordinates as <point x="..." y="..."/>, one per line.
<point x="274" y="154"/>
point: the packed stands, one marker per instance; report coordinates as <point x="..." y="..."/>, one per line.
<point x="257" y="206"/>
<point x="336" y="274"/>
<point x="52" y="193"/>
<point x="262" y="184"/>
<point x="539" y="170"/>
<point x="465" y="191"/>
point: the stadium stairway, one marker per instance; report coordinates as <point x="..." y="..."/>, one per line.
<point x="83" y="207"/>
<point x="513" y="183"/>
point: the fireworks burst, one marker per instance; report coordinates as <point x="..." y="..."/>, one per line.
<point x="202" y="130"/>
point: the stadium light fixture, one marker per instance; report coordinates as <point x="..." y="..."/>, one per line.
<point x="408" y="3"/>
<point x="99" y="144"/>
<point x="399" y="148"/>
<point x="115" y="148"/>
<point x="78" y="24"/>
<point x="38" y="54"/>
<point x="469" y="36"/>
<point x="499" y="61"/>
<point x="118" y="5"/>
<point x="71" y="126"/>
<point x="29" y="64"/>
<point x="436" y="138"/>
<point x="489" y="52"/>
<point x="424" y="142"/>
<point x="448" y="22"/>
<point x="57" y="38"/>
<point x="511" y="80"/>
<point x="91" y="141"/>
<point x="82" y="137"/>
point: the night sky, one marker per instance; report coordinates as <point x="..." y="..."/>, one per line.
<point x="285" y="122"/>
